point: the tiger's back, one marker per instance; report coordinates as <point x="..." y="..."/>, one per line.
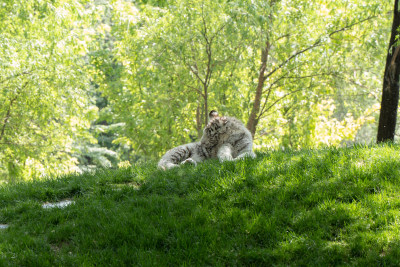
<point x="173" y="157"/>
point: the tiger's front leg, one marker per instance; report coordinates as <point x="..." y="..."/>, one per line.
<point x="250" y="154"/>
<point x="189" y="161"/>
<point x="225" y="152"/>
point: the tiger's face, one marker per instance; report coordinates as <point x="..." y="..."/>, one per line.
<point x="214" y="129"/>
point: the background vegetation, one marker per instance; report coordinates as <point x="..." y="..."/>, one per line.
<point x="86" y="84"/>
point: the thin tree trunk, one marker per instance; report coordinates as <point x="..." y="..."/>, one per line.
<point x="8" y="115"/>
<point x="390" y="91"/>
<point x="206" y="104"/>
<point x="253" y="121"/>
<point x="199" y="119"/>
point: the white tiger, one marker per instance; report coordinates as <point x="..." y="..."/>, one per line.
<point x="225" y="138"/>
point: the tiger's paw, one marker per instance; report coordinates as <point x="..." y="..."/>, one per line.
<point x="189" y="161"/>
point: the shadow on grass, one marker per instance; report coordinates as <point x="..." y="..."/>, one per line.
<point x="325" y="207"/>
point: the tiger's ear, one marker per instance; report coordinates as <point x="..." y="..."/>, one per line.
<point x="213" y="114"/>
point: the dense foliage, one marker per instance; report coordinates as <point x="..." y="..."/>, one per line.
<point x="45" y="100"/>
<point x="318" y="89"/>
<point x="101" y="83"/>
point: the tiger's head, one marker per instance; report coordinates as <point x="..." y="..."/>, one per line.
<point x="213" y="114"/>
<point x="215" y="128"/>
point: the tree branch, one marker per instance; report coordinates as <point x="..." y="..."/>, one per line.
<point x="318" y="42"/>
<point x="196" y="73"/>
<point x="8" y="115"/>
<point x="16" y="75"/>
<point x="195" y="89"/>
<point x="276" y="101"/>
<point x="218" y="31"/>
<point x="204" y="24"/>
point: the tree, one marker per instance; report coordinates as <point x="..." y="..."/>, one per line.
<point x="185" y="68"/>
<point x="292" y="63"/>
<point x="246" y="59"/>
<point x="44" y="78"/>
<point x="390" y="91"/>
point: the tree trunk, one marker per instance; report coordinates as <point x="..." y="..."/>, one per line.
<point x="253" y="121"/>
<point x="390" y="91"/>
<point x="199" y="119"/>
<point x="205" y="104"/>
<point x="8" y="115"/>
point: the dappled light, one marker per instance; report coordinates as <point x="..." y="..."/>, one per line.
<point x="284" y="111"/>
<point x="107" y="84"/>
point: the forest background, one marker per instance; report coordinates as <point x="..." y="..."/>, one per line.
<point x="88" y="84"/>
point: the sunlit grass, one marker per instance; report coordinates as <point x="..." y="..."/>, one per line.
<point x="308" y="207"/>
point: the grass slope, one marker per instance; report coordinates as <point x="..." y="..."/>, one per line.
<point x="309" y="207"/>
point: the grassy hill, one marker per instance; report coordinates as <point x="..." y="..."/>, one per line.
<point x="308" y="207"/>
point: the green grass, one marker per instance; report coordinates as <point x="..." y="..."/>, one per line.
<point x="302" y="208"/>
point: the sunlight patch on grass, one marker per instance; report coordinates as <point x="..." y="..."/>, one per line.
<point x="118" y="187"/>
<point x="61" y="204"/>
